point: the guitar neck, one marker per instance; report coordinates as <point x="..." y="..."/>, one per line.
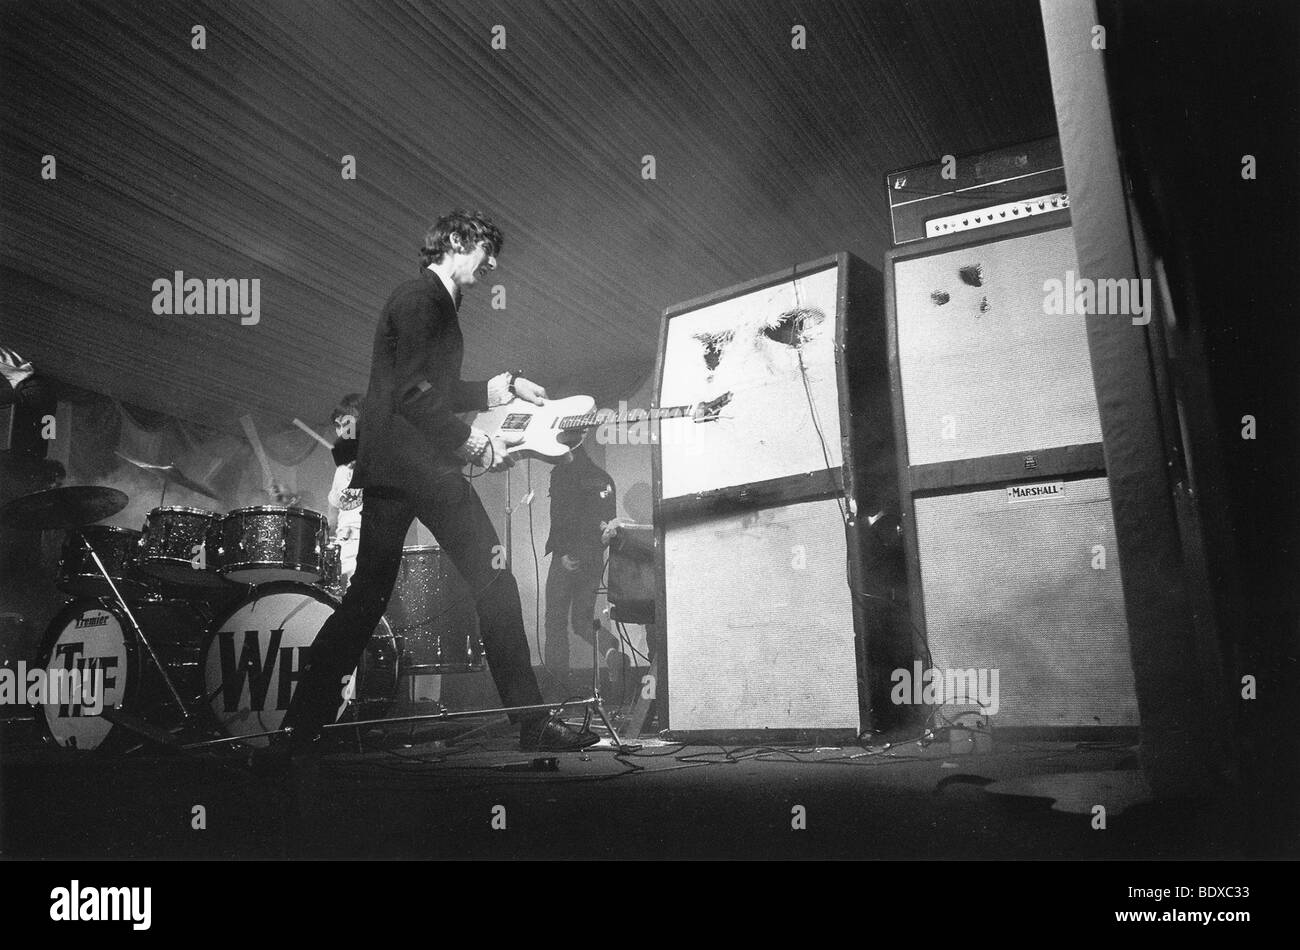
<point x="599" y="418"/>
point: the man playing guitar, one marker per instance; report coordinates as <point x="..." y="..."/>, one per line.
<point x="410" y="452"/>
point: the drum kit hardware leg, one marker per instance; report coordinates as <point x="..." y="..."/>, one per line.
<point x="139" y="633"/>
<point x="596" y="704"/>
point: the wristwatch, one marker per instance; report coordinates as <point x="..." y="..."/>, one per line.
<point x="514" y="374"/>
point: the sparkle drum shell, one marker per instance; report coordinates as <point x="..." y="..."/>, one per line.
<point x="331" y="578"/>
<point x="117" y="549"/>
<point x="180" y="546"/>
<point x="269" y="543"/>
<point x="433" y="610"/>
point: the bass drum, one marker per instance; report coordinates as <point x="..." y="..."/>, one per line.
<point x="92" y="635"/>
<point x="257" y="649"/>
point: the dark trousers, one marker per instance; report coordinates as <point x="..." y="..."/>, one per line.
<point x="451" y="509"/>
<point x="571" y="597"/>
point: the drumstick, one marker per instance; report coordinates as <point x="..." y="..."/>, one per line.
<point x="251" y="431"/>
<point x="311" y="432"/>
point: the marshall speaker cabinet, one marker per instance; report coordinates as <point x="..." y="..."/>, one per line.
<point x="1012" y="559"/>
<point x="762" y="508"/>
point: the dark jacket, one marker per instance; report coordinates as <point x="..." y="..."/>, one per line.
<point x="577" y="508"/>
<point x="408" y="432"/>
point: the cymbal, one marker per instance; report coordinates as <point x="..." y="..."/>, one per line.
<point x="172" y="475"/>
<point x="70" y="507"/>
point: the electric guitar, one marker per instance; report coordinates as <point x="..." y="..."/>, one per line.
<point x="549" y="431"/>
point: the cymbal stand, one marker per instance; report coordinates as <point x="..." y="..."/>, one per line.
<point x="171" y="687"/>
<point x="594" y="702"/>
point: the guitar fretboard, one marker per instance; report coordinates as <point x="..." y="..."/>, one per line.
<point x="600" y="417"/>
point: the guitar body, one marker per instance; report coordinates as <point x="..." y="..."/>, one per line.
<point x="548" y="432"/>
<point x="542" y="436"/>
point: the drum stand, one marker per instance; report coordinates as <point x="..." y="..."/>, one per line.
<point x="139" y="632"/>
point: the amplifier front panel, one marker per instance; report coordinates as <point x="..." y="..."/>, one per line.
<point x="1031" y="587"/>
<point x="760" y="621"/>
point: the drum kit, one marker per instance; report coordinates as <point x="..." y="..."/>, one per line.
<point x="205" y="620"/>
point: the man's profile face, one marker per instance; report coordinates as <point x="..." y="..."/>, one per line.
<point x="469" y="266"/>
<point x="346" y="427"/>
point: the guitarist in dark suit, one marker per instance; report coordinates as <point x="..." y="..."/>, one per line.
<point x="410" y="452"/>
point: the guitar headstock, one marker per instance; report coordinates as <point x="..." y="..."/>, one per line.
<point x="709" y="411"/>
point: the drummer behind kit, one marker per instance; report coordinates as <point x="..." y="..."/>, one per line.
<point x="200" y="618"/>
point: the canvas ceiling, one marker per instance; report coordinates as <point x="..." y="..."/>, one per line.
<point x="226" y="163"/>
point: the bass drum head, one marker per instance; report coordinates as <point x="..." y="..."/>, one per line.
<point x="88" y="635"/>
<point x="256" y="653"/>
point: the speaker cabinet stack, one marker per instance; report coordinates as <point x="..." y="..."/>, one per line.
<point x="758" y="512"/>
<point x="1012" y="558"/>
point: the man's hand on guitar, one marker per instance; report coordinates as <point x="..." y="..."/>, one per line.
<point x="497" y="458"/>
<point x="529" y="391"/>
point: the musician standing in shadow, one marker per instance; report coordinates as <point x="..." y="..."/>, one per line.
<point x="582" y="502"/>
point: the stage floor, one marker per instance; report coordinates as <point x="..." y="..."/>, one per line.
<point x="423" y="797"/>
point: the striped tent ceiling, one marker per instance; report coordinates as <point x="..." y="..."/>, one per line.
<point x="226" y="162"/>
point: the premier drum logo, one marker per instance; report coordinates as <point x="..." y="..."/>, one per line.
<point x="134" y="904"/>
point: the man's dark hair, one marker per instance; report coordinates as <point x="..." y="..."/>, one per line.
<point x="470" y="228"/>
<point x="349" y="405"/>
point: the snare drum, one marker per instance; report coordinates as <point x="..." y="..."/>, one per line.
<point x="257" y="650"/>
<point x="180" y="546"/>
<point x="269" y="543"/>
<point x="117" y="549"/>
<point x="92" y="636"/>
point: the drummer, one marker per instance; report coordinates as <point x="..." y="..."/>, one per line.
<point x="347" y="500"/>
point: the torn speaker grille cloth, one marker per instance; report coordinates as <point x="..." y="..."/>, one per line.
<point x="985" y="370"/>
<point x="751" y="346"/>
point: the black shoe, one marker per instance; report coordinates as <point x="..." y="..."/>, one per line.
<point x="553" y="736"/>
